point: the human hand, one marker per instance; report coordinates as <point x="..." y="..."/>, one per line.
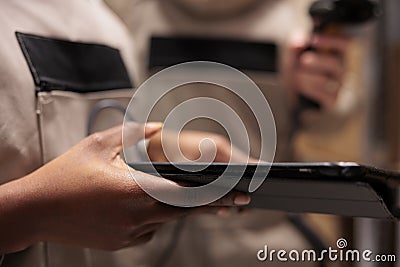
<point x="194" y="146"/>
<point x="319" y="73"/>
<point x="87" y="198"/>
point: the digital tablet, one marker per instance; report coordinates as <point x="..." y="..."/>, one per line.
<point x="340" y="188"/>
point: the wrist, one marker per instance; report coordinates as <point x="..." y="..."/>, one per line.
<point x="20" y="219"/>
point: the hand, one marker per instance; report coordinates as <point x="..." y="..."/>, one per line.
<point x="318" y="74"/>
<point x="87" y="197"/>
<point x="195" y="146"/>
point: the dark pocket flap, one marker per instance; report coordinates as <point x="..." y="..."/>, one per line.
<point x="73" y="66"/>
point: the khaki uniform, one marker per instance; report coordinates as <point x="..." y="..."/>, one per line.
<point x="327" y="135"/>
<point x="35" y="129"/>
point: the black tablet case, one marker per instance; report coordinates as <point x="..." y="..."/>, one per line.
<point x="346" y="189"/>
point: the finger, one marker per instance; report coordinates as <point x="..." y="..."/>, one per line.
<point x="298" y="41"/>
<point x="318" y="87"/>
<point x="166" y="213"/>
<point x="111" y="139"/>
<point x="142" y="239"/>
<point x="213" y="210"/>
<point x="134" y="132"/>
<point x="232" y="199"/>
<point x="337" y="44"/>
<point x="144" y="229"/>
<point x="327" y="64"/>
<point x="244" y="210"/>
<point x="224" y="212"/>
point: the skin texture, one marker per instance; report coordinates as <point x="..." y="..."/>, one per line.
<point x="87" y="197"/>
<point x="318" y="74"/>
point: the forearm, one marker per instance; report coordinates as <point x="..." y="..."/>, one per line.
<point x="19" y="215"/>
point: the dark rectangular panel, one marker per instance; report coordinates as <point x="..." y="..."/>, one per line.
<point x="73" y="66"/>
<point x="240" y="54"/>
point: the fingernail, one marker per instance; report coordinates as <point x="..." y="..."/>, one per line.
<point x="241" y="200"/>
<point x="154" y="125"/>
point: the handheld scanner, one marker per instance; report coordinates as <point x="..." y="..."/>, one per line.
<point x="331" y="16"/>
<point x="340" y="13"/>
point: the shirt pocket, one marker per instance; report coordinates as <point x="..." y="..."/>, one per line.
<point x="64" y="117"/>
<point x="80" y="87"/>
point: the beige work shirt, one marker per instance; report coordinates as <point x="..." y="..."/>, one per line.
<point x="35" y="129"/>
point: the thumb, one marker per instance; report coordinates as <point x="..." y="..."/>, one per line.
<point x="125" y="135"/>
<point x="134" y="132"/>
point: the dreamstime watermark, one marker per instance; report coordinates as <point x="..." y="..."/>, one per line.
<point x="157" y="87"/>
<point x="340" y="253"/>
